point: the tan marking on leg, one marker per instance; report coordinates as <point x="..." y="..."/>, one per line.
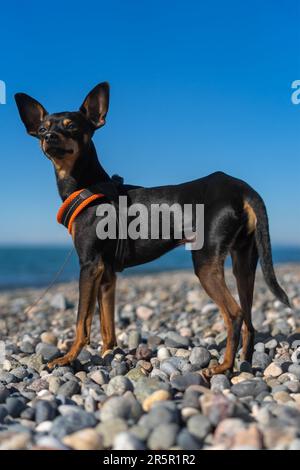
<point x="88" y="288"/>
<point x="211" y="276"/>
<point x="106" y="300"/>
<point x="252" y="219"/>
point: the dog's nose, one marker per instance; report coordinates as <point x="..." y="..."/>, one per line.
<point x="50" y="137"/>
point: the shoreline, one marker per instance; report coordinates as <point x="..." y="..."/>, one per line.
<point x="282" y="266"/>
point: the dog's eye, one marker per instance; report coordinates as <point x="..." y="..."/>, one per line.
<point x="42" y="130"/>
<point x="71" y="126"/>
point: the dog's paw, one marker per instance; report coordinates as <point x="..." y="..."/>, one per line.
<point x="105" y="353"/>
<point x="61" y="361"/>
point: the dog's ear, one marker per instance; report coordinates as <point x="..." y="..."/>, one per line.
<point x="95" y="105"/>
<point x="31" y="111"/>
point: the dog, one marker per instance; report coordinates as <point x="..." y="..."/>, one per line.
<point x="235" y="223"/>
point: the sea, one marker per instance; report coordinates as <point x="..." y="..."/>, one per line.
<point x="27" y="266"/>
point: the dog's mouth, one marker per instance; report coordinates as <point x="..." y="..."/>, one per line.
<point x="56" y="151"/>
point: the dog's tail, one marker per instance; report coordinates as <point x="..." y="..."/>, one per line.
<point x="263" y="243"/>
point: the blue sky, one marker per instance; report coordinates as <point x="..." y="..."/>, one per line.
<point x="195" y="87"/>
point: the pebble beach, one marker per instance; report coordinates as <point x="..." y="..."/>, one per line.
<point x="149" y="392"/>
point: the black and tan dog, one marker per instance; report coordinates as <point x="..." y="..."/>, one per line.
<point x="236" y="223"/>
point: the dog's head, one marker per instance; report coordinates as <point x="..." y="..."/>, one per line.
<point x="64" y="136"/>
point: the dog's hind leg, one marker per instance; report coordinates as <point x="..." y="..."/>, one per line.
<point x="244" y="260"/>
<point x="210" y="271"/>
<point x="106" y="300"/>
<point x="90" y="277"/>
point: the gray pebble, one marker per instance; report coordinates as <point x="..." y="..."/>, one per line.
<point x="126" y="441"/>
<point x="28" y="413"/>
<point x="90" y="404"/>
<point x="146" y="386"/>
<point x="69" y="388"/>
<point x="4" y="393"/>
<point x="219" y="382"/>
<point x="44" y="411"/>
<point x="59" y="301"/>
<point x="182" y="382"/>
<point x="249" y="388"/>
<point x="295" y="369"/>
<point x="100" y="377"/>
<point x="295" y="445"/>
<point x="115" y="407"/>
<point x="293" y="386"/>
<point x="19" y="372"/>
<point x="27" y="347"/>
<point x="296" y="356"/>
<point x="134" y="339"/>
<point x="110" y="429"/>
<point x="186" y="441"/>
<point x="141" y="432"/>
<point x="175" y="340"/>
<point x="159" y="414"/>
<point x="260" y="360"/>
<point x="200" y="357"/>
<point x="47" y="351"/>
<point x="119" y="369"/>
<point x="72" y="422"/>
<point x="3" y="413"/>
<point x="163" y="437"/>
<point x="271" y="344"/>
<point x="259" y="347"/>
<point x="15" y="406"/>
<point x="119" y="385"/>
<point x="191" y="399"/>
<point x="7" y="377"/>
<point x="199" y="426"/>
<point x="168" y="368"/>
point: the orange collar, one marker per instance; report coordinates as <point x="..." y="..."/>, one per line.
<point x="74" y="205"/>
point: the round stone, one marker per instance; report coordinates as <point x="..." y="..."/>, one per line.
<point x="175" y="340"/>
<point x="187" y="441"/>
<point x="296" y="356"/>
<point x="134" y="339"/>
<point x="249" y="388"/>
<point x="219" y="382"/>
<point x="69" y="388"/>
<point x="118" y="385"/>
<point x="100" y="377"/>
<point x="126" y="441"/>
<point x="72" y="422"/>
<point x="199" y="426"/>
<point x="49" y="338"/>
<point x="163" y="354"/>
<point x="159" y="395"/>
<point x="85" y="439"/>
<point x="163" y="437"/>
<point x="143" y="352"/>
<point x="115" y="407"/>
<point x="273" y="370"/>
<point x="295" y="369"/>
<point x="182" y="382"/>
<point x="110" y="429"/>
<point x="200" y="357"/>
<point x="15" y="406"/>
<point x="47" y="351"/>
<point x="44" y="411"/>
<point x="260" y="360"/>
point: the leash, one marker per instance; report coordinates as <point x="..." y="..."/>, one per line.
<point x="56" y="276"/>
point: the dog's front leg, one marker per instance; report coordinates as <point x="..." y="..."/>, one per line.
<point x="106" y="300"/>
<point x="90" y="277"/>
